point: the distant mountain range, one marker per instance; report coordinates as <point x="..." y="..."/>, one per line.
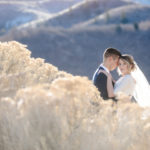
<point x="15" y="13"/>
<point x="128" y="14"/>
<point x="142" y="1"/>
<point x="74" y="39"/>
<point x="83" y="11"/>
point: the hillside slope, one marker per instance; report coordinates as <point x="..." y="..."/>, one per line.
<point x="83" y="11"/>
<point x="79" y="50"/>
<point x="22" y="13"/>
<point x="129" y="14"/>
<point x="13" y="16"/>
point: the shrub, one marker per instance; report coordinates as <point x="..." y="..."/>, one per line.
<point x="124" y="19"/>
<point x="118" y="29"/>
<point x="44" y="108"/>
<point x="136" y="26"/>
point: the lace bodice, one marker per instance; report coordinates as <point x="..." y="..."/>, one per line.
<point x="125" y="85"/>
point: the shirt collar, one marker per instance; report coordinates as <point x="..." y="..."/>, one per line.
<point x="104" y="68"/>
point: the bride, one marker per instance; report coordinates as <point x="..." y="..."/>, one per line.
<point x="132" y="82"/>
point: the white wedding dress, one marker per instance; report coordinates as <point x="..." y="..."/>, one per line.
<point x="136" y="85"/>
<point x="125" y="85"/>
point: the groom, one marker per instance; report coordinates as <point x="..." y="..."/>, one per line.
<point x="110" y="62"/>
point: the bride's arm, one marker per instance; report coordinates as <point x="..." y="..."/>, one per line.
<point x="110" y="88"/>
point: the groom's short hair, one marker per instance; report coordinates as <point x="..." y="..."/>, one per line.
<point x="111" y="52"/>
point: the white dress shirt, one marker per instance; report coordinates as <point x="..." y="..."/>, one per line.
<point x="104" y="68"/>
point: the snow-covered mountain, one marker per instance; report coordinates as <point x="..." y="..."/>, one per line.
<point x="142" y="1"/>
<point x="28" y="13"/>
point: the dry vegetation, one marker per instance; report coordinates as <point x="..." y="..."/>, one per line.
<point x="44" y="108"/>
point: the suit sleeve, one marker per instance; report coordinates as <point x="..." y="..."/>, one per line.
<point x="101" y="84"/>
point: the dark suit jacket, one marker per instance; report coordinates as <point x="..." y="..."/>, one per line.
<point x="100" y="81"/>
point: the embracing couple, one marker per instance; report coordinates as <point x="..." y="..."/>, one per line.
<point x="132" y="82"/>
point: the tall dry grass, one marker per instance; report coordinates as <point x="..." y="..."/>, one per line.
<point x="42" y="108"/>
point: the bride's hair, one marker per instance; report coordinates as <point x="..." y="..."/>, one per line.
<point x="130" y="60"/>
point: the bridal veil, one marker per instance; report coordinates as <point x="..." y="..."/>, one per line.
<point x="142" y="88"/>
